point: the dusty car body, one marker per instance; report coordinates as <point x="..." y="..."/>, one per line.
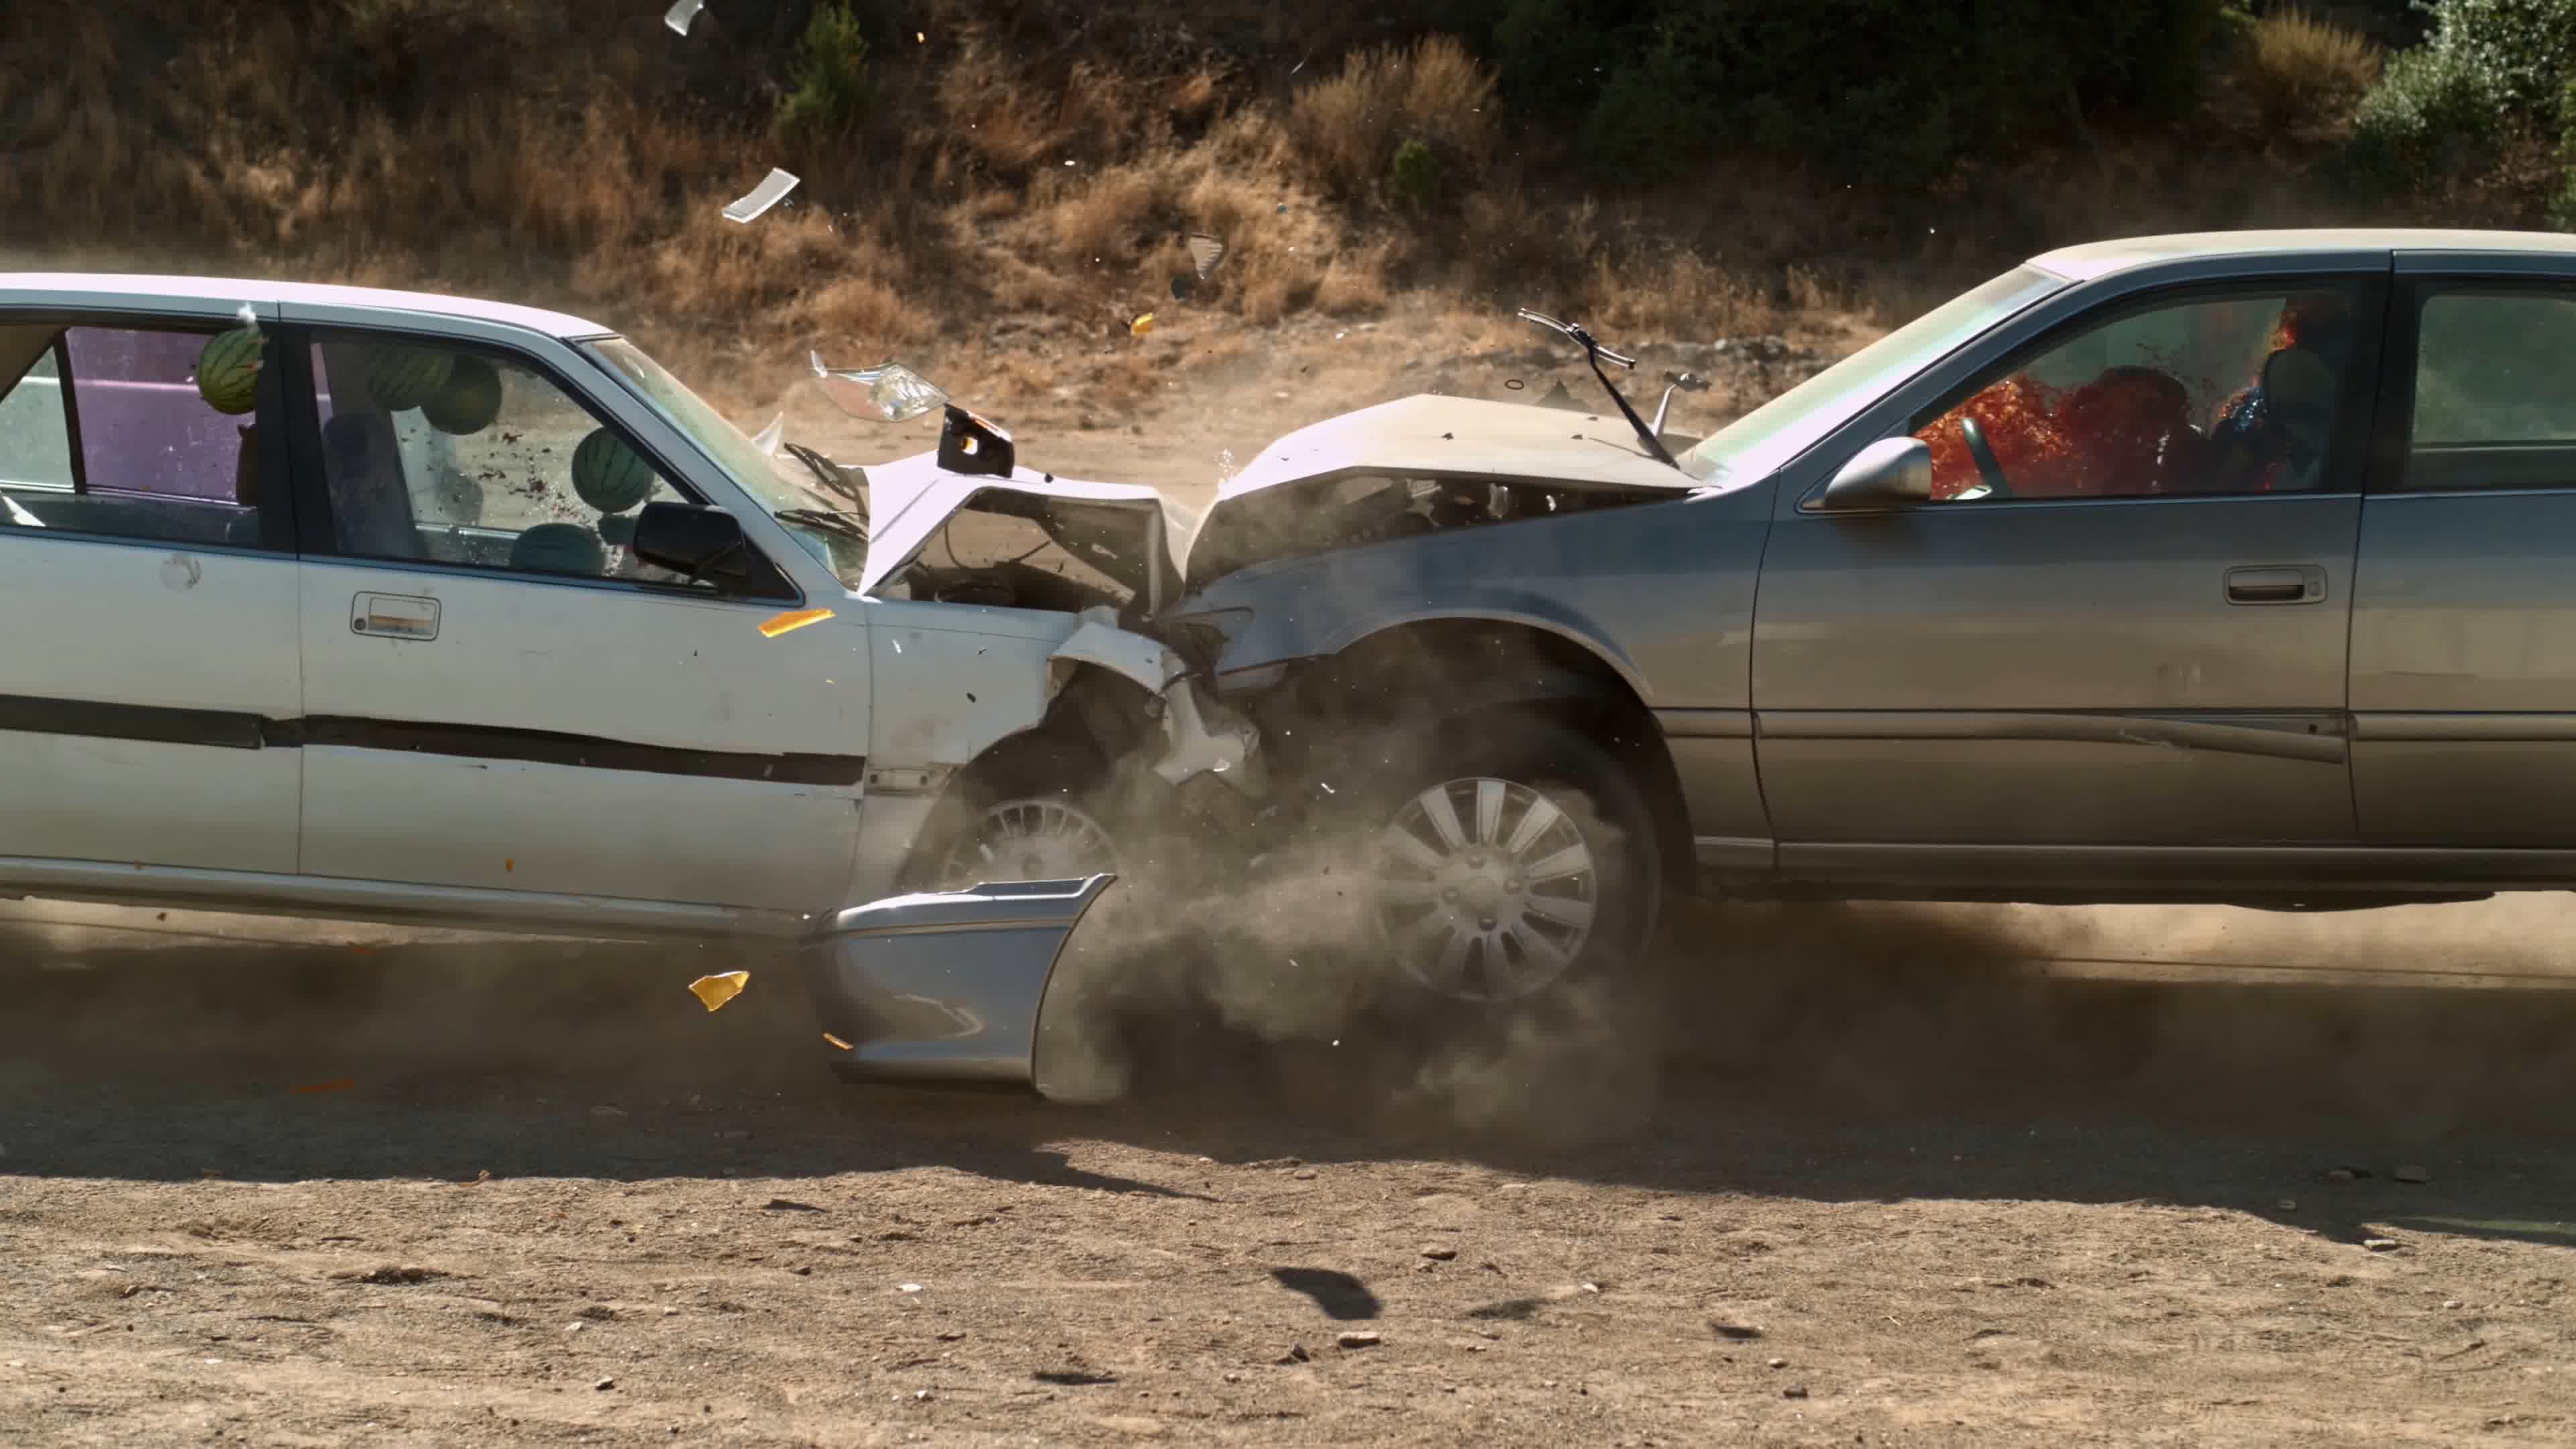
<point x="2118" y="578"/>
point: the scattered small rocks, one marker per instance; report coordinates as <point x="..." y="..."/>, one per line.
<point x="2380" y="1245"/>
<point x="1778" y="1363"/>
<point x="1304" y="1174"/>
<point x="788" y="1205"/>
<point x="1358" y="1338"/>
<point x="604" y="1385"/>
<point x="1439" y="1253"/>
<point x="1739" y="1332"/>
<point x="1296" y="1354"/>
<point x="1794" y="1391"/>
<point x="2412" y="1172"/>
<point x="389" y="1273"/>
<point x="2451" y="1303"/>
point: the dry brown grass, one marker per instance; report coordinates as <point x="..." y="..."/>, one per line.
<point x="1348" y="126"/>
<point x="2303" y="74"/>
<point x="261" y="144"/>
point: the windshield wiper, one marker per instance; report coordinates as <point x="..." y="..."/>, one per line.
<point x="829" y="474"/>
<point x="826" y="520"/>
<point x="1593" y="353"/>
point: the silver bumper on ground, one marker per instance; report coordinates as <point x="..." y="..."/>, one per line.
<point x="946" y="987"/>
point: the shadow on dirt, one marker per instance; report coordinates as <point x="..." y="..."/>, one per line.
<point x="1836" y="1054"/>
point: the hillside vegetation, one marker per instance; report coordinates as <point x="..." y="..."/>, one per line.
<point x="1029" y="169"/>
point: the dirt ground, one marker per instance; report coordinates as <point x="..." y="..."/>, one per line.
<point x="1825" y="1176"/>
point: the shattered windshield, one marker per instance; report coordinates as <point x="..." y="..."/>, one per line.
<point x="832" y="527"/>
<point x="1765" y="439"/>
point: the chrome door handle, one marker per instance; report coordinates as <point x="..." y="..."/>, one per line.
<point x="2276" y="584"/>
<point x="393" y="616"/>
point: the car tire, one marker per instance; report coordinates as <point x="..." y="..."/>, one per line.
<point x="1468" y="918"/>
<point x="1032" y="811"/>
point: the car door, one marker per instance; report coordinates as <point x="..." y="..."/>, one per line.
<point x="2464" y="624"/>
<point x="500" y="697"/>
<point x="146" y="552"/>
<point x="2138" y="640"/>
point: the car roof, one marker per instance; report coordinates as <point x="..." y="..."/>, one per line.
<point x="2094" y="260"/>
<point x="125" y="287"/>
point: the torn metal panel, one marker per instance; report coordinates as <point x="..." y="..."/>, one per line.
<point x="945" y="987"/>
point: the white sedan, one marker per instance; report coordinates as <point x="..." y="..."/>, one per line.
<point x="359" y="604"/>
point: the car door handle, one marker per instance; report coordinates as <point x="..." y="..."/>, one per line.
<point x="394" y="616"/>
<point x="2279" y="584"/>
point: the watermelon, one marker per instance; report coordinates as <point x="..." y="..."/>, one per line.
<point x="608" y="474"/>
<point x="400" y="378"/>
<point x="559" y="548"/>
<point x="469" y="400"/>
<point x="228" y="371"/>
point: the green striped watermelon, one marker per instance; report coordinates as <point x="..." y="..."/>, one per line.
<point x="608" y="474"/>
<point x="228" y="371"/>
<point x="469" y="400"/>
<point x="400" y="378"/>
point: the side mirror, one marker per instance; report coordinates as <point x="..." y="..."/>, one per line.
<point x="1890" y="473"/>
<point x="696" y="540"/>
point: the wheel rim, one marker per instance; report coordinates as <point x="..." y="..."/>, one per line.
<point x="1490" y="889"/>
<point x="1030" y="840"/>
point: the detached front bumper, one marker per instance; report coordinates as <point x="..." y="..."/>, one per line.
<point x="944" y="988"/>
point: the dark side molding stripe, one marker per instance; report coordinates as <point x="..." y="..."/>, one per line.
<point x="225" y="729"/>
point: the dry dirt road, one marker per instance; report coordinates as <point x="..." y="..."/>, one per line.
<point x="1882" y="1176"/>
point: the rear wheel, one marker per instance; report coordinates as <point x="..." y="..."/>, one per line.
<point x="1523" y="859"/>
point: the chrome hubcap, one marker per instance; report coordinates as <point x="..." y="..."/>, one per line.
<point x="1031" y="840"/>
<point x="1489" y="890"/>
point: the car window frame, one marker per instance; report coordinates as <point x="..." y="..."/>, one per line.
<point x="1803" y="480"/>
<point x="2393" y="456"/>
<point x="277" y="505"/>
<point x="2348" y="455"/>
<point x="769" y="584"/>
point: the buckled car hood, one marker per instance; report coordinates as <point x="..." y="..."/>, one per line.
<point x="1295" y="480"/>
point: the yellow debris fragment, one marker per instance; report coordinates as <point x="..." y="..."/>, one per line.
<point x="720" y="988"/>
<point x="777" y="624"/>
<point x="836" y="1041"/>
<point x="1141" y="325"/>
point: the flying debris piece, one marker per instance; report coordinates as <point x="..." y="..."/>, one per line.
<point x="1141" y="325"/>
<point x="890" y="391"/>
<point x="246" y="316"/>
<point x="768" y="438"/>
<point x="772" y="189"/>
<point x="1205" y="252"/>
<point x="836" y="1041"/>
<point x="720" y="988"/>
<point x="792" y="620"/>
<point x="681" y="13"/>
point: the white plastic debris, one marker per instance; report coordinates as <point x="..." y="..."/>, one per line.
<point x="890" y="391"/>
<point x="1205" y="252"/>
<point x="772" y="189"/>
<point x="681" y="13"/>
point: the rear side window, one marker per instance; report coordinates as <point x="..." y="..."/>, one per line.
<point x="2495" y="389"/>
<point x="107" y="431"/>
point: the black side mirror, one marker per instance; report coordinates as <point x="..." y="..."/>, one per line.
<point x="694" y="539"/>
<point x="972" y="445"/>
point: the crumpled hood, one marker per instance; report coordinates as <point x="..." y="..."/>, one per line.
<point x="1429" y="435"/>
<point x="910" y="499"/>
<point x="1422" y="436"/>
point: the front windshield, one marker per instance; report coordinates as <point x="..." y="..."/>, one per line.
<point x="780" y="486"/>
<point x="1765" y="439"/>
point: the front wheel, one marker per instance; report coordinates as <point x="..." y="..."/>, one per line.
<point x="1518" y="861"/>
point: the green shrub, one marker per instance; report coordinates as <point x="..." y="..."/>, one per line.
<point x="830" y="90"/>
<point x="2433" y="111"/>
<point x="1886" y="90"/>
<point x="2300" y="71"/>
<point x="2523" y="49"/>
<point x="1413" y="177"/>
<point x="2562" y="206"/>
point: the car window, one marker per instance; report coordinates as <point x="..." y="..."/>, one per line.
<point x="107" y="431"/>
<point x="2227" y="394"/>
<point x="471" y="457"/>
<point x="2494" y="407"/>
